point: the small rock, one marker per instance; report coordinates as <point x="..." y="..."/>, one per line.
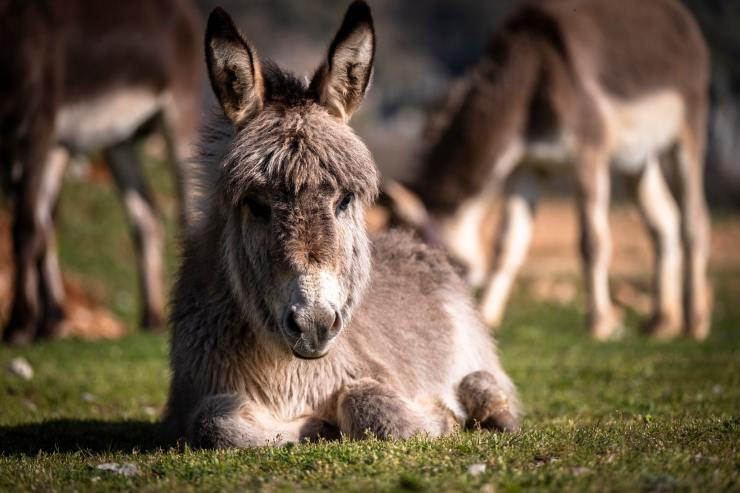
<point x="30" y="405"/>
<point x="150" y="411"/>
<point x="20" y="367"/>
<point x="88" y="397"/>
<point x="488" y="488"/>
<point x="476" y="469"/>
<point x="126" y="469"/>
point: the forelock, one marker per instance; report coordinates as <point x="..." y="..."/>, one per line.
<point x="294" y="143"/>
<point x="298" y="148"/>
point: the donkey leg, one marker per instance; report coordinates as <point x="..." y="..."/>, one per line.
<point x="28" y="240"/>
<point x="512" y="244"/>
<point x="695" y="228"/>
<point x="146" y="228"/>
<point x="596" y="246"/>
<point x="369" y="407"/>
<point x="51" y="286"/>
<point x="660" y="212"/>
<point x="179" y="119"/>
<point x="228" y="421"/>
<point x="486" y="403"/>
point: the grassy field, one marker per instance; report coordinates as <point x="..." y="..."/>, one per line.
<point x="627" y="415"/>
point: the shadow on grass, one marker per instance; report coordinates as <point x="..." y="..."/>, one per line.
<point x="69" y="435"/>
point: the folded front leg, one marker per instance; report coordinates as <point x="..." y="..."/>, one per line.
<point x="369" y="407"/>
<point x="229" y="421"/>
<point x="486" y="402"/>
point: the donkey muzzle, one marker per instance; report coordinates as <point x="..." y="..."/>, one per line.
<point x="310" y="331"/>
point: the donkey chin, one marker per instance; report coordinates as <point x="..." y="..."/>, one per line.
<point x="312" y="319"/>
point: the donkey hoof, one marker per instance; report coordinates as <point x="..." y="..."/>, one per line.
<point x="662" y="328"/>
<point x="699" y="329"/>
<point x="502" y="421"/>
<point x="607" y="328"/>
<point x="17" y="336"/>
<point x="51" y="329"/>
<point x="152" y="322"/>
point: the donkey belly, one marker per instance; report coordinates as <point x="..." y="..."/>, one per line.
<point x="643" y="128"/>
<point x="107" y="119"/>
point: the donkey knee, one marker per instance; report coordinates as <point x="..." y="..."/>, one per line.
<point x="215" y="424"/>
<point x="368" y="407"/>
<point x="486" y="403"/>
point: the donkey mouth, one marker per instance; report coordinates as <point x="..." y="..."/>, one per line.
<point x="309" y="356"/>
<point x="307" y="350"/>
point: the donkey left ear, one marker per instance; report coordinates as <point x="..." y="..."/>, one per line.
<point x="341" y="81"/>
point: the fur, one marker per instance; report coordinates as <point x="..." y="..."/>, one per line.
<point x="272" y="230"/>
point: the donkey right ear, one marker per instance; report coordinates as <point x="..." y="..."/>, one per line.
<point x="234" y="69"/>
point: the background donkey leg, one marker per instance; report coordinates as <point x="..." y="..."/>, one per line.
<point x="515" y="234"/>
<point x="180" y="123"/>
<point x="51" y="287"/>
<point x="28" y="238"/>
<point x="146" y="228"/>
<point x="596" y="246"/>
<point x="660" y="212"/>
<point x="695" y="225"/>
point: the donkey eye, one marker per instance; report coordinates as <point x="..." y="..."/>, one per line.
<point x="259" y="210"/>
<point x="345" y="202"/>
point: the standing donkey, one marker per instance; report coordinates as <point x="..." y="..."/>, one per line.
<point x="288" y="323"/>
<point x="576" y="86"/>
<point x="81" y="76"/>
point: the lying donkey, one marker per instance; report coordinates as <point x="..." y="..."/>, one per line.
<point x="288" y="323"/>
<point x="576" y="87"/>
<point x="83" y="76"/>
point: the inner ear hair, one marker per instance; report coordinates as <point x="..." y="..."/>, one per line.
<point x="233" y="68"/>
<point x="341" y="81"/>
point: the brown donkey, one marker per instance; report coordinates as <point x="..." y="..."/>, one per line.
<point x="81" y="76"/>
<point x="288" y="323"/>
<point x="578" y="87"/>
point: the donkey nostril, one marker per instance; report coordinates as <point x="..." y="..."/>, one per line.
<point x="292" y="325"/>
<point x="336" y="325"/>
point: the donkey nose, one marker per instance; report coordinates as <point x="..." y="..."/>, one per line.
<point x="317" y="325"/>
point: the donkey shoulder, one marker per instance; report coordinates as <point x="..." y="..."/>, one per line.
<point x="405" y="258"/>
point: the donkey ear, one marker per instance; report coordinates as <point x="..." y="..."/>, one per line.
<point x="233" y="67"/>
<point x="341" y="81"/>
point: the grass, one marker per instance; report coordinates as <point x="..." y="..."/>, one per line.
<point x="628" y="415"/>
<point x="623" y="416"/>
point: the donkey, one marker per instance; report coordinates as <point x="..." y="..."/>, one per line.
<point x="288" y="323"/>
<point x="82" y="76"/>
<point x="574" y="87"/>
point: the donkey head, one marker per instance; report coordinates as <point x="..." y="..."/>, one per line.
<point x="294" y="183"/>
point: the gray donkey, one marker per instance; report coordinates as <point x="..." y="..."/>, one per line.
<point x="288" y="323"/>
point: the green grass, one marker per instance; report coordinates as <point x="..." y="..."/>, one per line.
<point x="628" y="415"/>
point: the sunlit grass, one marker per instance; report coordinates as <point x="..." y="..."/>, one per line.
<point x="627" y="415"/>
